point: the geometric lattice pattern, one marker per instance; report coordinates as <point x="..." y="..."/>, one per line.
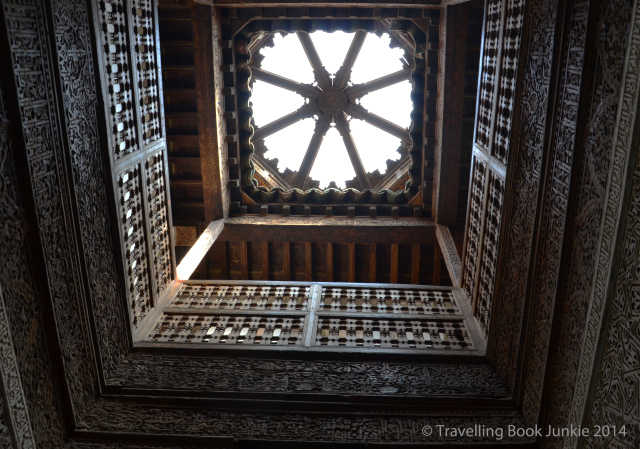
<point x="145" y="59"/>
<point x="225" y="329"/>
<point x="506" y="94"/>
<point x="128" y="50"/>
<point x="418" y="302"/>
<point x="158" y="222"/>
<point x="118" y="75"/>
<point x="488" y="75"/>
<point x="414" y="334"/>
<point x="490" y="251"/>
<point x="241" y="297"/>
<point x="474" y="228"/>
<point x="132" y="221"/>
<point x="298" y="315"/>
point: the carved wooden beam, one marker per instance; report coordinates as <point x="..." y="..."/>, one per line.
<point x="329" y="262"/>
<point x="360" y="90"/>
<point x="286" y="261"/>
<point x="407" y="44"/>
<point x="344" y="73"/>
<point x="390" y="180"/>
<point x="335" y="230"/>
<point x="322" y="126"/>
<point x="394" y="263"/>
<point x="372" y="263"/>
<point x="318" y="69"/>
<point x="415" y="264"/>
<point x="268" y="174"/>
<point x="351" y="263"/>
<point x="449" y="126"/>
<point x="265" y="260"/>
<point x="352" y="151"/>
<point x="306" y="111"/>
<point x="357" y="111"/>
<point x="207" y="123"/>
<point x="303" y="89"/>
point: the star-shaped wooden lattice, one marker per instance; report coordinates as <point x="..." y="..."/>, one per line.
<point x="332" y="100"/>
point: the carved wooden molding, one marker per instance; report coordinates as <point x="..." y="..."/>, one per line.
<point x="551" y="225"/>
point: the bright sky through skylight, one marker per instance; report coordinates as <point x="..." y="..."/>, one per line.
<point x="376" y="59"/>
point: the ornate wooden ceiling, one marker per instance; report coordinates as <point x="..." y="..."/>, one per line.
<point x="550" y="257"/>
<point x="183" y="74"/>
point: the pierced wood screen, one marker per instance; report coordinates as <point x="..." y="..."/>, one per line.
<point x="137" y="147"/>
<point x="506" y="93"/>
<point x="490" y="252"/>
<point x="133" y="240"/>
<point x="118" y="77"/>
<point x="316" y="316"/>
<point x="474" y="227"/>
<point x="497" y="101"/>
<point x="489" y="74"/>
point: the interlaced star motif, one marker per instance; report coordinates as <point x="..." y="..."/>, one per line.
<point x="332" y="101"/>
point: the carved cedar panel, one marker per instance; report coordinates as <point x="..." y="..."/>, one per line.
<point x="598" y="184"/>
<point x="31" y="59"/>
<point x="550" y="240"/>
<point x="508" y="78"/>
<point x="90" y="444"/>
<point x="13" y="416"/>
<point x="489" y="251"/>
<point x="526" y="149"/>
<point x="26" y="369"/>
<point x="309" y="376"/>
<point x="133" y="238"/>
<point x="239" y="297"/>
<point x="157" y="210"/>
<point x="117" y="73"/>
<point x="616" y="395"/>
<point x="390" y="334"/>
<point x="618" y="383"/>
<point x="230" y="330"/>
<point x="346" y="428"/>
<point x="474" y="227"/>
<point x="144" y="50"/>
<point x="5" y="436"/>
<point x="78" y="82"/>
<point x="488" y="77"/>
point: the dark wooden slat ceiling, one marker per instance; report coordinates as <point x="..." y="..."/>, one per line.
<point x="322" y="262"/>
